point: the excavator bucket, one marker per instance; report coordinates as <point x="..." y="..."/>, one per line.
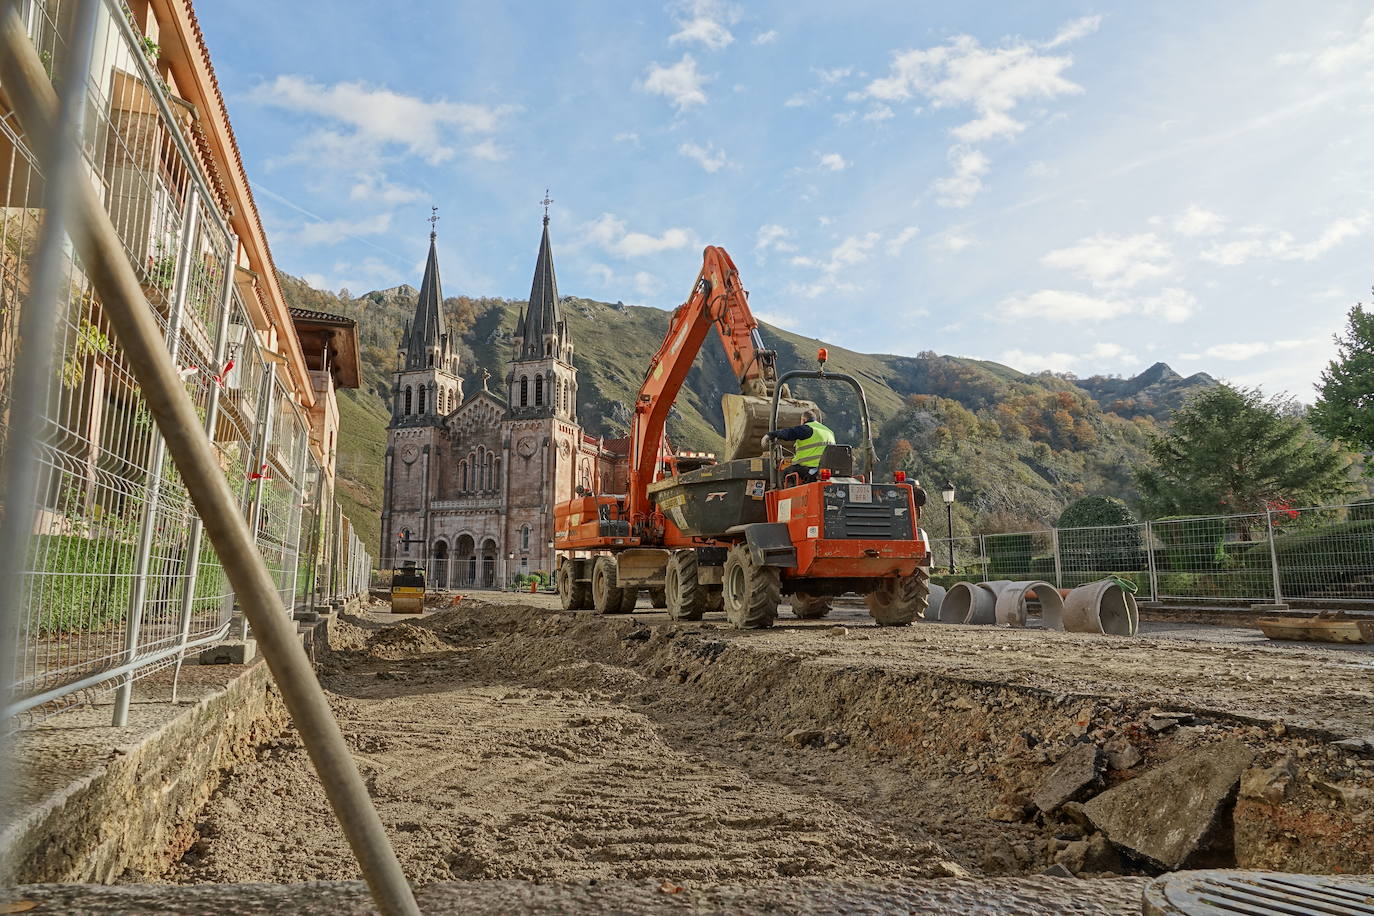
<point x="748" y="417"/>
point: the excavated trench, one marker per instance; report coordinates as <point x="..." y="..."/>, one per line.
<point x="507" y="742"/>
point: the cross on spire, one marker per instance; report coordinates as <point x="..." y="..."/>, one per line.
<point x="546" y="201"/>
<point x="434" y="218"/>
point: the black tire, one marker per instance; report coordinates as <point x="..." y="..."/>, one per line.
<point x="607" y="597"/>
<point x="658" y="597"/>
<point x="686" y="596"/>
<point x="897" y="602"/>
<point x="752" y="592"/>
<point x="810" y="607"/>
<point x="573" y="595"/>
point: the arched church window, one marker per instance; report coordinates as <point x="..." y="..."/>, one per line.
<point x="524" y="391"/>
<point x="409" y="394"/>
<point x="538" y="390"/>
<point x="548" y="348"/>
<point x="464" y="467"/>
<point x="486" y="472"/>
<point x="422" y="399"/>
<point x="525" y="537"/>
<point x="496" y="478"/>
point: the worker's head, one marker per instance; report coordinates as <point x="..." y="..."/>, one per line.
<point x="809" y="416"/>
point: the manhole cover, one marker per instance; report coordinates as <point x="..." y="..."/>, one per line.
<point x="1239" y="893"/>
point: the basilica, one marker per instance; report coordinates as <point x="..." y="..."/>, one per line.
<point x="472" y="476"/>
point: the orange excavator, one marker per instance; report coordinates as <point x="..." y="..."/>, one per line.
<point x="741" y="534"/>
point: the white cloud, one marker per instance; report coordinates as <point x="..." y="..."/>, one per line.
<point x="1107" y="350"/>
<point x="1037" y="361"/>
<point x="773" y="237"/>
<point x="1281" y="246"/>
<point x="1196" y="221"/>
<point x="1113" y="262"/>
<point x="766" y="38"/>
<point x="801" y="99"/>
<point x="610" y="233"/>
<point x="959" y="189"/>
<point x="602" y="272"/>
<point x="878" y="113"/>
<point x="1339" y="56"/>
<point x="1243" y="351"/>
<point x="991" y="81"/>
<point x="383" y="117"/>
<point x="1173" y="305"/>
<point x="705" y="22"/>
<point x="853" y="250"/>
<point x="374" y="188"/>
<point x="646" y="284"/>
<point x="488" y="150"/>
<point x="1061" y="305"/>
<point x="1072" y="31"/>
<point x="900" y="240"/>
<point x="834" y="162"/>
<point x="953" y="242"/>
<point x="832" y="76"/>
<point x="709" y="157"/>
<point x="331" y="232"/>
<point x="316" y="281"/>
<point x="681" y="83"/>
<point x="627" y="136"/>
<point x="778" y="320"/>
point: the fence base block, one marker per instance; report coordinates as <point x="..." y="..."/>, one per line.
<point x="1269" y="607"/>
<point x="232" y="652"/>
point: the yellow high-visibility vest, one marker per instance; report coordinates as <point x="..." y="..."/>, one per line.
<point x="810" y="449"/>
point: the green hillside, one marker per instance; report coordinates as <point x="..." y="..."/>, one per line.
<point x="1018" y="447"/>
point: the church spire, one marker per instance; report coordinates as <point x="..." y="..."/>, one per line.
<point x="541" y="327"/>
<point x="426" y="338"/>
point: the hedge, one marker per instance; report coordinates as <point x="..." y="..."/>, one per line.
<point x="69" y="593"/>
<point x="1323" y="560"/>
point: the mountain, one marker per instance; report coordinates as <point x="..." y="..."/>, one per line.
<point x="1018" y="447"/>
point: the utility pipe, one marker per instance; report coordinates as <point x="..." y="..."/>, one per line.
<point x="102" y="255"/>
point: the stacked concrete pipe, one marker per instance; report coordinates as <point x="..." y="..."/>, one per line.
<point x="1101" y="607"/>
<point x="969" y="602"/>
<point x="1011" y="604"/>
<point x="937" y="597"/>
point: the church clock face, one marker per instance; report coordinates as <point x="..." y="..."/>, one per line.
<point x="525" y="447"/>
<point x="409" y="454"/>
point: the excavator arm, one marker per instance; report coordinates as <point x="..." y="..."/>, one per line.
<point x="717" y="300"/>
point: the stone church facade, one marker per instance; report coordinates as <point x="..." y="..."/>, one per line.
<point x="471" y="479"/>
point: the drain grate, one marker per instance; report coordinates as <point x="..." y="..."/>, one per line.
<point x="1239" y="893"/>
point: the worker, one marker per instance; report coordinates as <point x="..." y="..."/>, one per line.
<point x="811" y="437"/>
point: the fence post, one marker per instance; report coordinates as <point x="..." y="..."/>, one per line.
<point x="1150" y="560"/>
<point x="1273" y="554"/>
<point x="193" y="540"/>
<point x="983" y="555"/>
<point x="253" y="491"/>
<point x="1058" y="563"/>
<point x="138" y="598"/>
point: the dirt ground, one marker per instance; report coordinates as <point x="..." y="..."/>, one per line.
<point x="508" y="741"/>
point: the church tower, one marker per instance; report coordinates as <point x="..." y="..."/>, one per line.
<point x="542" y="381"/>
<point x="426" y="387"/>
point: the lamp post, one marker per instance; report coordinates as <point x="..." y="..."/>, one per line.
<point x="947" y="494"/>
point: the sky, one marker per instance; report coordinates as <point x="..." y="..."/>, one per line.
<point x="1081" y="187"/>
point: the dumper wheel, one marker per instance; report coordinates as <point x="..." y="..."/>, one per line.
<point x="658" y="597"/>
<point x="607" y="597"/>
<point x="752" y="592"/>
<point x="810" y="607"/>
<point x="897" y="602"/>
<point x="685" y="594"/>
<point x="573" y="595"/>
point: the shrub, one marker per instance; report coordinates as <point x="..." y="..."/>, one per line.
<point x="79" y="584"/>
<point x="1362" y="511"/>
<point x="1318" y="561"/>
<point x="1190" y="544"/>
<point x="1009" y="555"/>
<point x="1093" y="511"/>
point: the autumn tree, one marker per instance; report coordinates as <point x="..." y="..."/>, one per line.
<point x="1345" y="400"/>
<point x="1231" y="450"/>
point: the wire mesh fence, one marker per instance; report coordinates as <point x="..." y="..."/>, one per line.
<point x="1316" y="555"/>
<point x="118" y="581"/>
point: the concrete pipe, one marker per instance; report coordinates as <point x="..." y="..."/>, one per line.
<point x="997" y="586"/>
<point x="1100" y="607"/>
<point x="1011" y="604"/>
<point x="967" y="602"/>
<point x="937" y="597"/>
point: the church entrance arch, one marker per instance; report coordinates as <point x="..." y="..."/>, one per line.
<point x="466" y="565"/>
<point x="438" y="566"/>
<point x="489" y="563"/>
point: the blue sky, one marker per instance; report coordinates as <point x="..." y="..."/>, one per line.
<point x="1075" y="186"/>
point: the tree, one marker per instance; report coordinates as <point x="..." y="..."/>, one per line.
<point x="1231" y="450"/>
<point x="1345" y="401"/>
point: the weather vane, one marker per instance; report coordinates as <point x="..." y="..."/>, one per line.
<point x="434" y="218"/>
<point x="546" y="201"/>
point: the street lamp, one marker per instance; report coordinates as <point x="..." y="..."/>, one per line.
<point x="947" y="494"/>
